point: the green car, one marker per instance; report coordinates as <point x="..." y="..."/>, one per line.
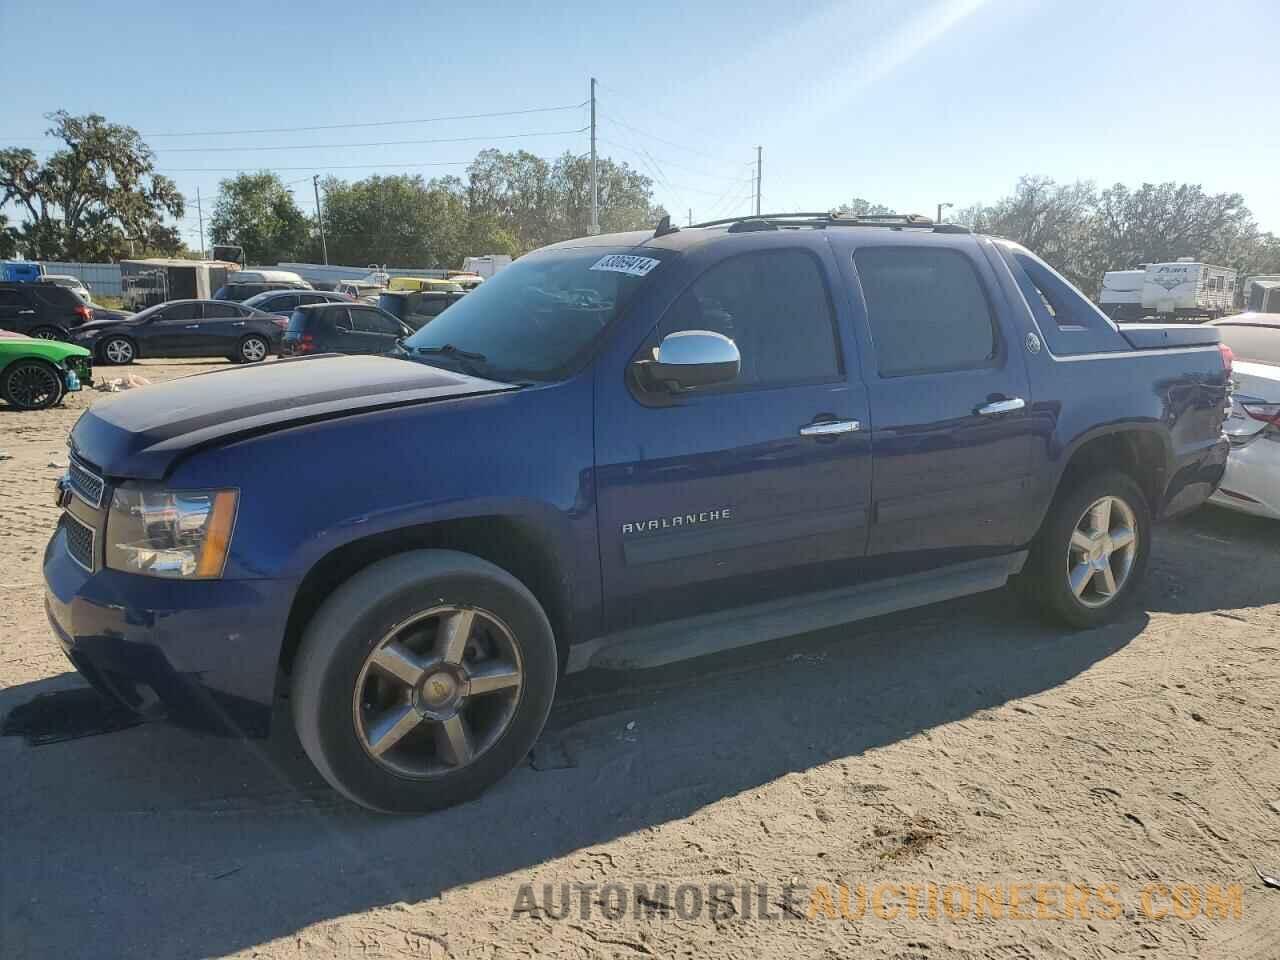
<point x="35" y="374"/>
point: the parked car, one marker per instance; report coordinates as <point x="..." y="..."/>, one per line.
<point x="185" y="328"/>
<point x="21" y="271"/>
<point x="341" y="328"/>
<point x="358" y="289"/>
<point x="42" y="310"/>
<point x="74" y="284"/>
<point x="415" y="308"/>
<point x="1252" y="481"/>
<point x="243" y="284"/>
<point x="620" y="451"/>
<point x="35" y="373"/>
<point x="281" y="303"/>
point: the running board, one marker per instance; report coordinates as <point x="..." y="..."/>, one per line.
<point x="673" y="640"/>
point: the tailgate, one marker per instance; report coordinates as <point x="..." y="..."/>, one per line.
<point x="1161" y="336"/>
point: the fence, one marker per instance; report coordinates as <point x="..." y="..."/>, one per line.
<point x="104" y="278"/>
<point x="100" y="278"/>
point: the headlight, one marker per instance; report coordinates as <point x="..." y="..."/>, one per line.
<point x="170" y="533"/>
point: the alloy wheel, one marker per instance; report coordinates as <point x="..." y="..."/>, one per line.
<point x="1100" y="557"/>
<point x="437" y="691"/>
<point x="118" y="351"/>
<point x="253" y="350"/>
<point x="33" y="385"/>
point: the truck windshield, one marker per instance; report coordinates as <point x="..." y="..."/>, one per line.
<point x="538" y="318"/>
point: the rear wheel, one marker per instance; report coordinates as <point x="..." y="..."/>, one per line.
<point x="253" y="349"/>
<point x="117" y="350"/>
<point x="1092" y="551"/>
<point x="31" y="385"/>
<point x="48" y="333"/>
<point x="422" y="680"/>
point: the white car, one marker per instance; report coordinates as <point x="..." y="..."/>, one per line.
<point x="1252" y="481"/>
<point x="74" y="284"/>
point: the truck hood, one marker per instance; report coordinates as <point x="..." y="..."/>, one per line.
<point x="143" y="433"/>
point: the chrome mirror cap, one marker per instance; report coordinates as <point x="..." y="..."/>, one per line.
<point x="693" y="358"/>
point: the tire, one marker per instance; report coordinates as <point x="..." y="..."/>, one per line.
<point x="1056" y="566"/>
<point x="117" y="350"/>
<point x="32" y="385"/>
<point x="341" y="699"/>
<point x="253" y="349"/>
<point x="48" y="333"/>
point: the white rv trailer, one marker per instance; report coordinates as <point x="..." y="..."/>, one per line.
<point x="1188" y="288"/>
<point x="1121" y="297"/>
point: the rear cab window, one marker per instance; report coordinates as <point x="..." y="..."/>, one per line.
<point x="927" y="311"/>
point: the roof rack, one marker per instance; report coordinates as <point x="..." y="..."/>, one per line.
<point x="777" y="221"/>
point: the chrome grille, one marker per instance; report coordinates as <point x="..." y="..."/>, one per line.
<point x="80" y="540"/>
<point x="85" y="484"/>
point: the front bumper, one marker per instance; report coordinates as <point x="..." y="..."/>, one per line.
<point x="198" y="653"/>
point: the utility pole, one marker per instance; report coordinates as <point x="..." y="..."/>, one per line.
<point x="200" y="214"/>
<point x="324" y="247"/>
<point x="758" y="150"/>
<point x="691" y="216"/>
<point x="595" y="187"/>
<point x="941" y="207"/>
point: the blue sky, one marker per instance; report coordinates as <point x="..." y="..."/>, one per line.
<point x="905" y="103"/>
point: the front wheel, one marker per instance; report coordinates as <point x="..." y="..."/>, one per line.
<point x="31" y="385"/>
<point x="422" y="680"/>
<point x="1092" y="551"/>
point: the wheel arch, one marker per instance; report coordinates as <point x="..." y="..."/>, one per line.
<point x="514" y="544"/>
<point x="1144" y="452"/>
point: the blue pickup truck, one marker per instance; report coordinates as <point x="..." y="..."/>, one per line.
<point x="619" y="452"/>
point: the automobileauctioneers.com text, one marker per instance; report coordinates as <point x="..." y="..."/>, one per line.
<point x="824" y="902"/>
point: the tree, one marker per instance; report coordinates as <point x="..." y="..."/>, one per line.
<point x="88" y="201"/>
<point x="857" y="207"/>
<point x="8" y="239"/>
<point x="257" y="212"/>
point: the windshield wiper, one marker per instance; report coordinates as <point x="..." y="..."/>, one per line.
<point x="450" y="350"/>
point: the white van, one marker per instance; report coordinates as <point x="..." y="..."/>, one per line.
<point x="266" y="276"/>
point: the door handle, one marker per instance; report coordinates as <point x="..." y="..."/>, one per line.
<point x="828" y="428"/>
<point x="193" y="326"/>
<point x="996" y="407"/>
<point x="23" y="313"/>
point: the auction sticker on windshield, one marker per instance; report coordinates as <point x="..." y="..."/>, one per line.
<point x="623" y="263"/>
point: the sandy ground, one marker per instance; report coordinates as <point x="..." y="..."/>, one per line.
<point x="963" y="744"/>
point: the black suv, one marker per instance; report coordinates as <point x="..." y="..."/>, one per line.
<point x="341" y="328"/>
<point x="283" y="302"/>
<point x="417" y="308"/>
<point x="43" y="310"/>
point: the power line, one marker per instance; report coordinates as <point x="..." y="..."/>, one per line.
<point x="654" y="136"/>
<point x="379" y="143"/>
<point x="312" y="166"/>
<point x="338" y="126"/>
<point x="713" y="176"/>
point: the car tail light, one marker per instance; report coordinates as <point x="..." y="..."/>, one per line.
<point x="84" y="313"/>
<point x="306" y="343"/>
<point x="1228" y="358"/>
<point x="280" y="322"/>
<point x="1266" y="412"/>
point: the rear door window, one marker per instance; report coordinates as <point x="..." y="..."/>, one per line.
<point x="221" y="311"/>
<point x="927" y="311"/>
<point x="372" y="321"/>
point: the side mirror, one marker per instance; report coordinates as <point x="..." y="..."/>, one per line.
<point x="691" y="358"/>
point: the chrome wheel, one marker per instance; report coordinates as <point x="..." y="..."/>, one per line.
<point x="1100" y="557"/>
<point x="437" y="691"/>
<point x="253" y="350"/>
<point x="118" y="351"/>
